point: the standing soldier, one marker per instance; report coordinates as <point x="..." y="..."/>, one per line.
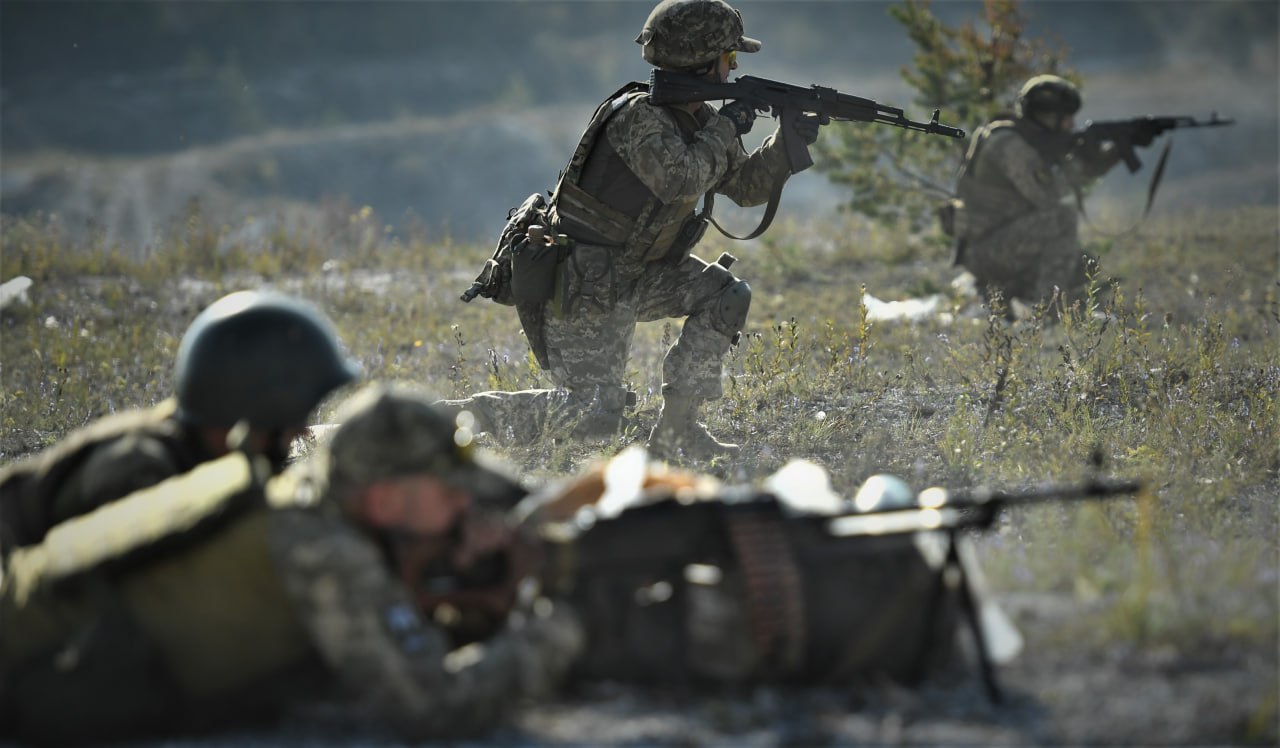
<point x="627" y="207"/>
<point x="211" y="599"/>
<point x="1014" y="229"/>
<point x="261" y="359"/>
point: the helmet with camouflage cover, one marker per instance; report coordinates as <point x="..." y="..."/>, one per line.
<point x="684" y="34"/>
<point x="1047" y="94"/>
<point x="257" y="356"/>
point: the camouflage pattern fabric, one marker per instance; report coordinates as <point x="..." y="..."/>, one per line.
<point x="651" y="142"/>
<point x="362" y="618"/>
<point x="606" y="290"/>
<point x="368" y="631"/>
<point x="1020" y="234"/>
<point x="686" y="33"/>
<point x="91" y="467"/>
<point x="524" y="415"/>
<point x="588" y="348"/>
<point x="116" y="469"/>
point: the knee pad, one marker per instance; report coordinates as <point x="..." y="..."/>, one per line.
<point x="729" y="311"/>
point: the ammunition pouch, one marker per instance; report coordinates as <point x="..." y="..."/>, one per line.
<point x="496" y="279"/>
<point x="589" y="276"/>
<point x="690" y="234"/>
<point x="534" y="266"/>
<point x="951" y="218"/>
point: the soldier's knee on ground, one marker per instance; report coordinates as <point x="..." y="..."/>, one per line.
<point x="599" y="412"/>
<point x="482" y="407"/>
<point x="729" y="313"/>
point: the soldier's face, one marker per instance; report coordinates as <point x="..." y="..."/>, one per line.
<point x="419" y="504"/>
<point x="727" y="62"/>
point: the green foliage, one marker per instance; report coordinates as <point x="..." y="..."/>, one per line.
<point x="970" y="73"/>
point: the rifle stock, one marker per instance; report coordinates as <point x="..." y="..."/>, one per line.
<point x="786" y="102"/>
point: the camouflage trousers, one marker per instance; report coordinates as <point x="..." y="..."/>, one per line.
<point x="588" y="337"/>
<point x="1029" y="256"/>
<point x="589" y="340"/>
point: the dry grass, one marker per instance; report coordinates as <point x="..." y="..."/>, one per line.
<point x="1171" y="374"/>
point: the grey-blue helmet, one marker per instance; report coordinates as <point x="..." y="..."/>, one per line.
<point x="258" y="356"/>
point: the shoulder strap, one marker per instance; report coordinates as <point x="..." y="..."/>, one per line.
<point x="981" y="138"/>
<point x="573" y="171"/>
<point x="774" y="197"/>
<point x="151" y="521"/>
<point x="28" y="485"/>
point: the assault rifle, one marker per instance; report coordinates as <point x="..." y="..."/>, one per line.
<point x="1124" y="134"/>
<point x="787" y="102"/>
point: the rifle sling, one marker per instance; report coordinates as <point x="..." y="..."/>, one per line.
<point x="1156" y="178"/>
<point x="769" y="211"/>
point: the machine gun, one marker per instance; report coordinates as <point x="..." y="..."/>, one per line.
<point x="787" y="102"/>
<point x="1124" y="134"/>
<point x="638" y="558"/>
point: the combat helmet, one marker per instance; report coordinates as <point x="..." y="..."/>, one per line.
<point x="686" y="34"/>
<point x="258" y="356"/>
<point x="1047" y="94"/>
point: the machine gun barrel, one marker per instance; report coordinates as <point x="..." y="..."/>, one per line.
<point x="940" y="509"/>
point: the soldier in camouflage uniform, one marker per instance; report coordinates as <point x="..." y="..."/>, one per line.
<point x="261" y="358"/>
<point x="214" y="597"/>
<point x="629" y="211"/>
<point x="1015" y="227"/>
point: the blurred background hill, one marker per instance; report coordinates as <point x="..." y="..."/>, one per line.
<point x="119" y="117"/>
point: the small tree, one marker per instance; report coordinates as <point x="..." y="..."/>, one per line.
<point x="971" y="73"/>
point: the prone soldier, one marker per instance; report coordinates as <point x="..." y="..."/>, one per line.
<point x="681" y="580"/>
<point x="262" y="359"/>
<point x="223" y="593"/>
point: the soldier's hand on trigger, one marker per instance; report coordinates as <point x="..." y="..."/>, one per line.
<point x="806" y="126"/>
<point x="486" y="539"/>
<point x="741" y="113"/>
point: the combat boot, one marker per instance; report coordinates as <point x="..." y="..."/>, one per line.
<point x="679" y="433"/>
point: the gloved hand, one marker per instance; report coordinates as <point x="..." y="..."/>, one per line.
<point x="806" y="126"/>
<point x="741" y="113"/>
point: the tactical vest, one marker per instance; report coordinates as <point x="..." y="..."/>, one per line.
<point x="990" y="199"/>
<point x="159" y="609"/>
<point x="599" y="200"/>
<point x="28" y="487"/>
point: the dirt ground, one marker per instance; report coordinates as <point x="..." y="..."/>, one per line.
<point x="1052" y="696"/>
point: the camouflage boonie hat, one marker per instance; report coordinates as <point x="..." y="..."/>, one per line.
<point x="389" y="431"/>
<point x="683" y="34"/>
